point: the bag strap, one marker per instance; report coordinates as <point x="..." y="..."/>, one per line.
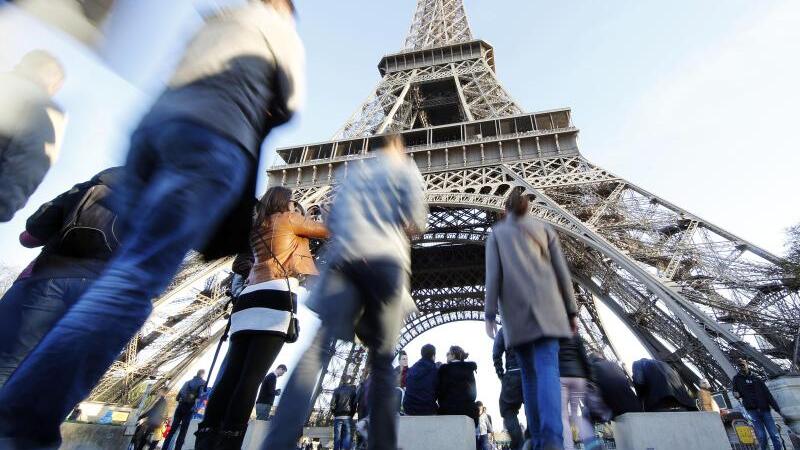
<point x="283" y="269"/>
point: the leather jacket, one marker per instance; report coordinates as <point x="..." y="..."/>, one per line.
<point x="344" y="401"/>
<point x="288" y="235"/>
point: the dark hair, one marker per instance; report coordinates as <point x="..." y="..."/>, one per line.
<point x="479" y="404"/>
<point x="458" y="353"/>
<point x="281" y="366"/>
<point x="428" y="352"/>
<point x="275" y="200"/>
<point x="517" y="202"/>
<point x="201" y="372"/>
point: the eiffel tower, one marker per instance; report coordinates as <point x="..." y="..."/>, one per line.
<point x="695" y="295"/>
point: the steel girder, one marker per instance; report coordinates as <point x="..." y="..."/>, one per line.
<point x="437" y="23"/>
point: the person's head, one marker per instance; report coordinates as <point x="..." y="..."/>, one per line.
<point x="517" y="202"/>
<point x="481" y="408"/>
<point x="42" y="68"/>
<point x="428" y="352"/>
<point x="277" y="199"/>
<point x="402" y="358"/>
<point x="201" y="373"/>
<point x="284" y="7"/>
<point x="456" y="353"/>
<point x="280" y="370"/>
<point x="704" y="384"/>
<point x="743" y="366"/>
<point x="394" y="146"/>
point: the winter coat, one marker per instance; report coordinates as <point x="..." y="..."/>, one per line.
<point x="753" y="393"/>
<point x="191" y="391"/>
<point x="527" y="281"/>
<point x="287" y="234"/>
<point x="421" y="382"/>
<point x="344" y="401"/>
<point x="157" y="413"/>
<point x="498" y="349"/>
<point x="572" y="359"/>
<point x="30" y="129"/>
<point x="266" y="395"/>
<point x="659" y="386"/>
<point x="456" y="390"/>
<point x="615" y="388"/>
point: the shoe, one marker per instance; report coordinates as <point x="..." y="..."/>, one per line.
<point x="231" y="439"/>
<point x="206" y="439"/>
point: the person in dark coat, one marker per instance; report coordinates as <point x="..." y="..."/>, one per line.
<point x="510" y="388"/>
<point x="615" y="388"/>
<point x="187" y="397"/>
<point x="267" y="393"/>
<point x="575" y="372"/>
<point x="151" y="420"/>
<point x="421" y="382"/>
<point x="30" y="128"/>
<point x="757" y="400"/>
<point x="78" y="237"/>
<point x="344" y="405"/>
<point x="456" y="391"/>
<point x="660" y="387"/>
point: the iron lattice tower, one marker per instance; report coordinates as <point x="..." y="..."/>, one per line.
<point x="695" y="295"/>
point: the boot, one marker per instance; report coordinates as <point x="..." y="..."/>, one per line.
<point x="207" y="439"/>
<point x="231" y="439"/>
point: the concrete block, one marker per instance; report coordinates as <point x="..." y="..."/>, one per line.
<point x="670" y="431"/>
<point x="786" y="391"/>
<point x="93" y="436"/>
<point x="436" y="432"/>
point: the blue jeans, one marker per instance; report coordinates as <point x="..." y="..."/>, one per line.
<point x="342" y="434"/>
<point x="181" y="180"/>
<point x="27" y="312"/>
<point x="541" y="389"/>
<point x="764" y="424"/>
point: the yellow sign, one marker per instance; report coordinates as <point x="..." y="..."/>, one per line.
<point x="120" y="416"/>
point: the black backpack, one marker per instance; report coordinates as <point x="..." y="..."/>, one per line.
<point x="89" y="231"/>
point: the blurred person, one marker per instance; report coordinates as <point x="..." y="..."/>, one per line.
<point x="78" y="236"/>
<point x="421" y="382"/>
<point x="241" y="271"/>
<point x="362" y="409"/>
<point x="363" y="290"/>
<point x="81" y="19"/>
<point x="344" y="403"/>
<point x="401" y="371"/>
<point x="484" y="429"/>
<point x="150" y="421"/>
<point x="756" y="398"/>
<point x="659" y="387"/>
<point x="31" y="126"/>
<point x="187" y="399"/>
<point x="263" y="317"/>
<point x="575" y="372"/>
<point x="510" y="388"/>
<point x="267" y="393"/>
<point x="189" y="183"/>
<point x="614" y="386"/>
<point x="456" y="389"/>
<point x="706" y="400"/>
<point x="529" y="284"/>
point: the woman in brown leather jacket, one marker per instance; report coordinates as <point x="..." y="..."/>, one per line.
<point x="261" y="315"/>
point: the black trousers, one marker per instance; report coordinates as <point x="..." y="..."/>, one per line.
<point x="233" y="396"/>
<point x="510" y="404"/>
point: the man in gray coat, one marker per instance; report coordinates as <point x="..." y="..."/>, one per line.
<point x="529" y="284"/>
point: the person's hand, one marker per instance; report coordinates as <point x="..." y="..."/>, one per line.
<point x="491" y="328"/>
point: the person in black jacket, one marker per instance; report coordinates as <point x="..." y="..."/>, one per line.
<point x="757" y="400"/>
<point x="150" y="420"/>
<point x="65" y="268"/>
<point x="187" y="397"/>
<point x="343" y="408"/>
<point x="660" y="388"/>
<point x="575" y="372"/>
<point x="267" y="393"/>
<point x="510" y="388"/>
<point x="421" y="381"/>
<point x="456" y="391"/>
<point x="615" y="388"/>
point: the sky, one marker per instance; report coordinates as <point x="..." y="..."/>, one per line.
<point x="693" y="100"/>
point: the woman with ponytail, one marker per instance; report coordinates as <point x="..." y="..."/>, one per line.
<point x="528" y="284"/>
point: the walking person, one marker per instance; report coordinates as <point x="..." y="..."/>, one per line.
<point x="187" y="399"/>
<point x="31" y="126"/>
<point x="263" y="317"/>
<point x="757" y="400"/>
<point x="421" y="383"/>
<point x="267" y="393"/>
<point x="510" y="388"/>
<point x="150" y="421"/>
<point x="456" y="390"/>
<point x="575" y="371"/>
<point x="363" y="290"/>
<point x="529" y="285"/>
<point x="344" y="404"/>
<point x="189" y="182"/>
<point x="78" y="236"/>
<point x="484" y="429"/>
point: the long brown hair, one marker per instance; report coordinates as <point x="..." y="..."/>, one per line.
<point x="517" y="202"/>
<point x="275" y="200"/>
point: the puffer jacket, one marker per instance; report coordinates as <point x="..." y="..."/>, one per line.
<point x="457" y="390"/>
<point x="287" y="235"/>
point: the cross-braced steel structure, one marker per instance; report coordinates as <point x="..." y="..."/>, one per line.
<point x="694" y="294"/>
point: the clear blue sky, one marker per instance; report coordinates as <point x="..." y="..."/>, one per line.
<point x="692" y="99"/>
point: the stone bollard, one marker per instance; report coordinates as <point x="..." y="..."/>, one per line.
<point x="786" y="391"/>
